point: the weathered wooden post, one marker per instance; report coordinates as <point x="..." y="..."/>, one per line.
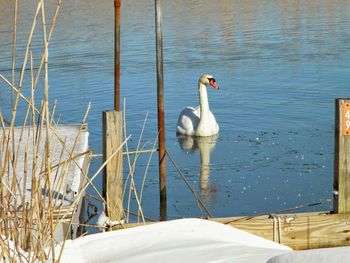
<point x="112" y="132"/>
<point x="112" y="183"/>
<point x="342" y="156"/>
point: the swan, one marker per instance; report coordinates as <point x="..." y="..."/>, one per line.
<point x="199" y="121"/>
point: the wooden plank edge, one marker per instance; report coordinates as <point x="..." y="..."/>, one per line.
<point x="298" y="231"/>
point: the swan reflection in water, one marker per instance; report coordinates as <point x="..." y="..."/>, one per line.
<point x="205" y="145"/>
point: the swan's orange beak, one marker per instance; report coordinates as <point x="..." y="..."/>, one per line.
<point x="213" y="84"/>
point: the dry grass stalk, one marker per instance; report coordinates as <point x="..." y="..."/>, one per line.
<point x="29" y="221"/>
<point x="14" y="40"/>
<point x="132" y="186"/>
<point x="26" y="158"/>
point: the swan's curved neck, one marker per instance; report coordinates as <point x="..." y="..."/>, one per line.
<point x="203" y="100"/>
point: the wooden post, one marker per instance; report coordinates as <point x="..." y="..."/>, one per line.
<point x="117" y="5"/>
<point x="342" y="156"/>
<point x="160" y="102"/>
<point x="112" y="183"/>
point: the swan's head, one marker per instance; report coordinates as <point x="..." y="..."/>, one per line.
<point x="207" y="79"/>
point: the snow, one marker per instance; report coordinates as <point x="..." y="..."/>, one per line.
<point x="183" y="240"/>
<point x="322" y="255"/>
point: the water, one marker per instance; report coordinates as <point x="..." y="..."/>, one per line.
<point x="280" y="65"/>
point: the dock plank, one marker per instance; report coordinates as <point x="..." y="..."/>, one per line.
<point x="299" y="230"/>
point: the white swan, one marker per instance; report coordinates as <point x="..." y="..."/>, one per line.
<point x="199" y="121"/>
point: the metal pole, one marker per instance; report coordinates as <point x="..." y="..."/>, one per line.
<point x="160" y="103"/>
<point x="117" y="5"/>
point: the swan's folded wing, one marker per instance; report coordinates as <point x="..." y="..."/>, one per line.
<point x="188" y="121"/>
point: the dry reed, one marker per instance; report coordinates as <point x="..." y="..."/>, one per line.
<point x="36" y="156"/>
<point x="36" y="160"/>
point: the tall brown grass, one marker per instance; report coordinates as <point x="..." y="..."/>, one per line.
<point x="35" y="158"/>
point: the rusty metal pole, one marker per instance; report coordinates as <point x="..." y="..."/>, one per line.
<point x="117" y="5"/>
<point x="160" y="103"/>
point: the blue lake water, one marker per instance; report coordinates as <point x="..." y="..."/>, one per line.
<point x="280" y="66"/>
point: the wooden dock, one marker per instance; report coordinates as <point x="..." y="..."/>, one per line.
<point x="299" y="231"/>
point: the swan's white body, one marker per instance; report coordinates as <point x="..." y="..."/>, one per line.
<point x="199" y="121"/>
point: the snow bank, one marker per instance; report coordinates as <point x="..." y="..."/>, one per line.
<point x="183" y="240"/>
